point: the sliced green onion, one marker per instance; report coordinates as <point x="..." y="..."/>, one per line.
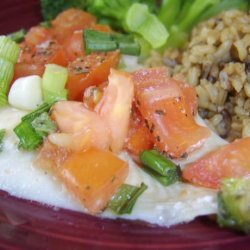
<point x="100" y="46"/>
<point x="161" y="168"/>
<point x="53" y="83"/>
<point x="43" y="125"/>
<point x="34" y="127"/>
<point x="94" y="35"/>
<point x="129" y="48"/>
<point x="6" y="75"/>
<point x="125" y="199"/>
<point x="18" y="36"/>
<point x="45" y="107"/>
<point x="141" y="21"/>
<point x="28" y="138"/>
<point x="9" y="50"/>
<point x="2" y="135"/>
<point x="103" y="41"/>
<point x="169" y="11"/>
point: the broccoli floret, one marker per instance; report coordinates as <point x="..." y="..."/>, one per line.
<point x="51" y="8"/>
<point x="234" y="204"/>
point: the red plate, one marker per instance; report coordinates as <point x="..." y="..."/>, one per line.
<point x="30" y="225"/>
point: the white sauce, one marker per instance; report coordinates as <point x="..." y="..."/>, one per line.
<point x="158" y="204"/>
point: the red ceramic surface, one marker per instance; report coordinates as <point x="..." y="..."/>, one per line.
<point x="29" y="225"/>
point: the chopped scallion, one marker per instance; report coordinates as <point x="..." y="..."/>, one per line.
<point x="53" y="83"/>
<point x="45" y="107"/>
<point x="103" y="41"/>
<point x="161" y="168"/>
<point x="9" y="50"/>
<point x="141" y="21"/>
<point x="18" y="36"/>
<point x="125" y="199"/>
<point x="28" y="138"/>
<point x="43" y="125"/>
<point x="2" y="135"/>
<point x="34" y="127"/>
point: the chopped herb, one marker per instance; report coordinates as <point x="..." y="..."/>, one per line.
<point x="125" y="199"/>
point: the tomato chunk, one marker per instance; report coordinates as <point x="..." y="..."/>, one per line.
<point x="37" y="35"/>
<point x="93" y="176"/>
<point x="230" y="161"/>
<point x="81" y="127"/>
<point x="168" y="106"/>
<point x="139" y="137"/>
<point x="71" y="20"/>
<point x="90" y="70"/>
<point x="115" y="106"/>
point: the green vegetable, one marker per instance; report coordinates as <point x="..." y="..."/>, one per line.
<point x="140" y="21"/>
<point x="53" y="83"/>
<point x="34" y="127"/>
<point x="18" y="36"/>
<point x="9" y="53"/>
<point x="234" y="204"/>
<point x="28" y="138"/>
<point x="159" y="167"/>
<point x="131" y="16"/>
<point x="181" y="16"/>
<point x="51" y="8"/>
<point x="169" y="12"/>
<point x="125" y="199"/>
<point x="103" y="41"/>
<point x="2" y="135"/>
<point x="43" y="125"/>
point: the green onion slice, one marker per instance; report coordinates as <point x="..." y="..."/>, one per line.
<point x="18" y="36"/>
<point x="159" y="167"/>
<point x="125" y="199"/>
<point x="53" y="83"/>
<point x="9" y="50"/>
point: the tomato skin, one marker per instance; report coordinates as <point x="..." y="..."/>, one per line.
<point x="229" y="161"/>
<point x="168" y="111"/>
<point x="115" y="107"/>
<point x="139" y="137"/>
<point x="37" y="35"/>
<point x="32" y="59"/>
<point x="69" y="21"/>
<point x="97" y="67"/>
<point x="25" y="69"/>
<point x="74" y="45"/>
<point x="93" y="175"/>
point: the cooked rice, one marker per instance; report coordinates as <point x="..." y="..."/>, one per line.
<point x="217" y="62"/>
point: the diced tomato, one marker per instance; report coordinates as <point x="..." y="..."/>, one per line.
<point x="71" y="20"/>
<point x="74" y="45"/>
<point x="90" y="70"/>
<point x="139" y="137"/>
<point x="26" y="69"/>
<point x="115" y="106"/>
<point x="93" y="176"/>
<point x="230" y="161"/>
<point x="33" y="58"/>
<point x="37" y="35"/>
<point x="168" y="111"/>
<point x="83" y="128"/>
